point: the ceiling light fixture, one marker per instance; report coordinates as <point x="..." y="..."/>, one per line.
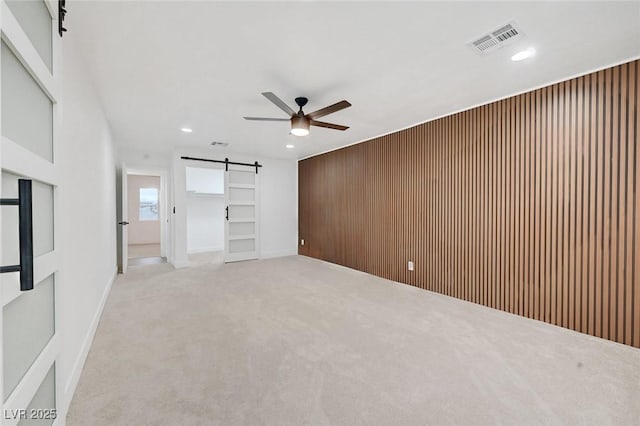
<point x="299" y="125"/>
<point x="300" y="121"/>
<point x="524" y="54"/>
<point x="186" y="130"/>
<point x="290" y="146"/>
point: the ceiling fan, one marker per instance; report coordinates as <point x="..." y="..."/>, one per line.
<point x="300" y="121"/>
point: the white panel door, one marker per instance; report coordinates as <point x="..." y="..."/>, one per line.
<point x="123" y="221"/>
<point x="241" y="224"/>
<point x="29" y="91"/>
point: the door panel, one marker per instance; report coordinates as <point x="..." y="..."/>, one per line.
<point x="241" y="226"/>
<point x="35" y="20"/>
<point x="28" y="325"/>
<point x="242" y="246"/>
<point x="241" y="212"/>
<point x="242" y="194"/>
<point x="42" y="204"/>
<point x="43" y="400"/>
<point x="27" y="111"/>
<point x="241" y="177"/>
<point x="29" y="85"/>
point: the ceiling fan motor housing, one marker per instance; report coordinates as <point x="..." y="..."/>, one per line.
<point x="300" y="122"/>
<point x="301" y="101"/>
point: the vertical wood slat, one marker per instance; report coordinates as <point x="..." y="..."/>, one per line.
<point x="606" y="216"/>
<point x="635" y="290"/>
<point x="549" y="234"/>
<point x="628" y="225"/>
<point x="555" y="227"/>
<point x="579" y="210"/>
<point x="595" y="289"/>
<point x="530" y="205"/>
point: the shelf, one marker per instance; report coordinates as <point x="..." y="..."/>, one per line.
<point x="204" y="194"/>
<point x="241" y="186"/>
<point x="243" y="237"/>
<point x="242" y="203"/>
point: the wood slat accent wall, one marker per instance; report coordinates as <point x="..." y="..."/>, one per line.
<point x="529" y="205"/>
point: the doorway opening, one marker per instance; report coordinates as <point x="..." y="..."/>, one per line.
<point x="144" y="212"/>
<point x="205" y="215"/>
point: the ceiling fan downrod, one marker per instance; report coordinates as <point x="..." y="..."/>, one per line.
<point x="301" y="101"/>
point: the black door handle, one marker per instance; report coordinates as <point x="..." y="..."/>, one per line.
<point x="124" y="222"/>
<point x="25" y="231"/>
<point x="227" y="214"/>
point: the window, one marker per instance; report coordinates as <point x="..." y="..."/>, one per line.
<point x="148" y="204"/>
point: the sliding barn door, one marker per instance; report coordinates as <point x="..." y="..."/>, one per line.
<point x="29" y="90"/>
<point x="241" y="224"/>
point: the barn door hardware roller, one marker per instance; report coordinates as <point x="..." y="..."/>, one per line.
<point x="61" y="15"/>
<point x="25" y="228"/>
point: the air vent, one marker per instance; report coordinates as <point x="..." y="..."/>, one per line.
<point x="496" y="39"/>
<point x="215" y="143"/>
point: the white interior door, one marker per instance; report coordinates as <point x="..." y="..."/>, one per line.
<point x="123" y="220"/>
<point x="241" y="224"/>
<point x="29" y="90"/>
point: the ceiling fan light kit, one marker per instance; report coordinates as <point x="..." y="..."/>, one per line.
<point x="300" y="122"/>
<point x="299" y="126"/>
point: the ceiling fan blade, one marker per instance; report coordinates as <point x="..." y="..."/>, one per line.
<point x="279" y="103"/>
<point x="328" y="125"/>
<point x="266" y="119"/>
<point x="329" y="110"/>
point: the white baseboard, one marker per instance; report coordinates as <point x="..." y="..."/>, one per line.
<point x="205" y="250"/>
<point x="78" y="365"/>
<point x="283" y="253"/>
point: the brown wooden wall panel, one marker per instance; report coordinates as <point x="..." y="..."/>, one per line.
<point x="529" y="205"/>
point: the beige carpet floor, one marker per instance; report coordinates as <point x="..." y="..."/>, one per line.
<point x="209" y="257"/>
<point x="296" y="341"/>
<point x="143" y="250"/>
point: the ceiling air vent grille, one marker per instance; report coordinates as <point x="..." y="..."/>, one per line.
<point x="496" y="39"/>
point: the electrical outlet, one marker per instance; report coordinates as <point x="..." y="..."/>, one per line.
<point x="301" y="242"/>
<point x="410" y="265"/>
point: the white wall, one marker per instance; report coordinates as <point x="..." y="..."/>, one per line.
<point x="205" y="209"/>
<point x="87" y="195"/>
<point x="141" y="231"/>
<point x="205" y="223"/>
<point x="278" y="198"/>
<point x="205" y="180"/>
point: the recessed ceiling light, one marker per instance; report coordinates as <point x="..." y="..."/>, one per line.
<point x="186" y="130"/>
<point x="290" y="146"/>
<point x="524" y="54"/>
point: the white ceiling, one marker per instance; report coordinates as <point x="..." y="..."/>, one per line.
<point x="159" y="66"/>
